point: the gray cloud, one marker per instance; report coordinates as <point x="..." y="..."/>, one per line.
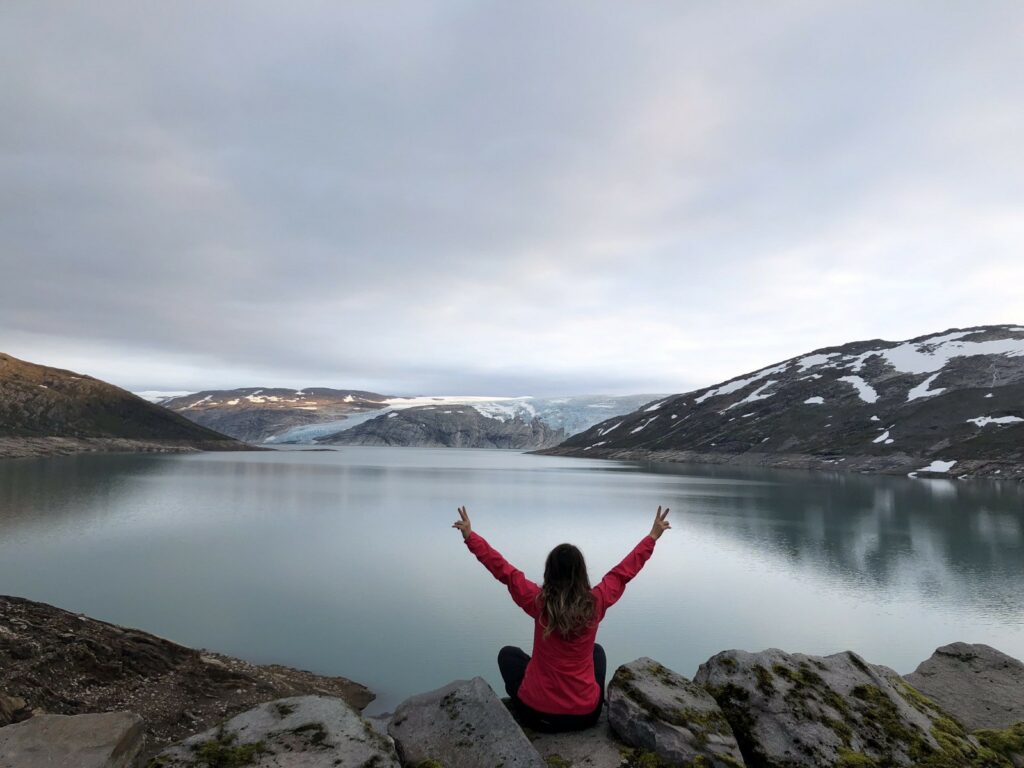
<point x="503" y="198"/>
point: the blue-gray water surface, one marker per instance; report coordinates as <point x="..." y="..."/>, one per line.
<point x="345" y="562"/>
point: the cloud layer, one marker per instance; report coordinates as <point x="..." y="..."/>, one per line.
<point x="501" y="198"/>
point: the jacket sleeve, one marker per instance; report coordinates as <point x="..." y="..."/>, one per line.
<point x="523" y="591"/>
<point x="614" y="583"/>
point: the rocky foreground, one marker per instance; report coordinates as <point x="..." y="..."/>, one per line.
<point x="127" y="699"/>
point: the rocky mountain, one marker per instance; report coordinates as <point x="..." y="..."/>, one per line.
<point x="49" y="410"/>
<point x="448" y="426"/>
<point x="307" y="416"/>
<point x="950" y="403"/>
<point x="259" y="415"/>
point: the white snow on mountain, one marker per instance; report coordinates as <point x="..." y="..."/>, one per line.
<point x="809" y="401"/>
<point x="982" y="421"/>
<point x="939" y="466"/>
<point x="158" y="396"/>
<point x="738" y="384"/>
<point x="922" y="389"/>
<point x="757" y="394"/>
<point x="866" y="391"/>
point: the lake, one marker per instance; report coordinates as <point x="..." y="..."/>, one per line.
<point x="344" y="562"/>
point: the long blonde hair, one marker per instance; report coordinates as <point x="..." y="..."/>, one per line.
<point x="568" y="603"/>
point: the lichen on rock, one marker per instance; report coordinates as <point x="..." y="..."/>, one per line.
<point x="659" y="711"/>
<point x="790" y="710"/>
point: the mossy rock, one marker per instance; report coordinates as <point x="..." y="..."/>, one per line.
<point x="793" y="710"/>
<point x="661" y="713"/>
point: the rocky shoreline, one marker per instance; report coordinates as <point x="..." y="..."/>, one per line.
<point x="894" y="464"/>
<point x="56" y="662"/>
<point x="37" y="447"/>
<point x="126" y="699"/>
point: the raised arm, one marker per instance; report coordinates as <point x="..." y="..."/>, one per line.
<point x="614" y="583"/>
<point x="524" y="592"/>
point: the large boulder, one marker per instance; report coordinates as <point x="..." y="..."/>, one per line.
<point x="462" y="725"/>
<point x="109" y="740"/>
<point x="978" y="685"/>
<point x="790" y="710"/>
<point x="657" y="710"/>
<point x="297" y="732"/>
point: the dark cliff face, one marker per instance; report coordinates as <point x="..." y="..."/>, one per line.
<point x="450" y="426"/>
<point x="953" y="396"/>
<point x="254" y="414"/>
<point x="38" y="402"/>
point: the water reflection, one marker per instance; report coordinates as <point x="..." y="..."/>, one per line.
<point x="332" y="561"/>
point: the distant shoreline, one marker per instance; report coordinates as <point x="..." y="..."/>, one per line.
<point x="39" y="447"/>
<point x="896" y="465"/>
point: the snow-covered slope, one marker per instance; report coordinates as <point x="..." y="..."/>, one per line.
<point x="951" y="402"/>
<point x="479" y="422"/>
<point x="280" y="416"/>
<point x="258" y="415"/>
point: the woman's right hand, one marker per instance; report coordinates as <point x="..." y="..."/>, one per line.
<point x="464" y="525"/>
<point x="660" y="524"/>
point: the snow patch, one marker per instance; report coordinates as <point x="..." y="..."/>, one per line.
<point x="874" y="418"/>
<point x="922" y="389"/>
<point x="866" y="391"/>
<point x="738" y="384"/>
<point x="814" y="401"/>
<point x="988" y="395"/>
<point x="642" y="426"/>
<point x="757" y="394"/>
<point x="882" y="437"/>
<point x="930" y="355"/>
<point x="157" y="396"/>
<point x="938" y="466"/>
<point x="813" y="361"/>
<point x="982" y="421"/>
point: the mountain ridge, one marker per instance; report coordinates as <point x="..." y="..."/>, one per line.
<point x="45" y="410"/>
<point x="949" y="404"/>
<point x="322" y="415"/>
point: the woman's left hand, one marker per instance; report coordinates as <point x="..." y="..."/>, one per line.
<point x="463" y="524"/>
<point x="661" y="523"/>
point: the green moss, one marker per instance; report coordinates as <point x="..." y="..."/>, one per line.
<point x="222" y="752"/>
<point x="764" y="680"/>
<point x="735" y="704"/>
<point x="642" y="758"/>
<point x="915" y="698"/>
<point x="1008" y="742"/>
<point x="728" y="662"/>
<point x="557" y="761"/>
<point x="850" y="759"/>
<point x="429" y="764"/>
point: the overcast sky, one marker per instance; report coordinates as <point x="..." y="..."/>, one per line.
<point x="501" y="197"/>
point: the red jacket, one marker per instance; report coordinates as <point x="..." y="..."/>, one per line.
<point x="559" y="679"/>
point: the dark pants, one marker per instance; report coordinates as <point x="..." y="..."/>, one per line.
<point x="512" y="662"/>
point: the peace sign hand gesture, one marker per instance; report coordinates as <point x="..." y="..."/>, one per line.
<point x="660" y="524"/>
<point x="464" y="525"/>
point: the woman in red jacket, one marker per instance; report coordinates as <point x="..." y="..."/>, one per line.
<point x="562" y="687"/>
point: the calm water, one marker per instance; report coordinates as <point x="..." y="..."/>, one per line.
<point x="345" y="562"/>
